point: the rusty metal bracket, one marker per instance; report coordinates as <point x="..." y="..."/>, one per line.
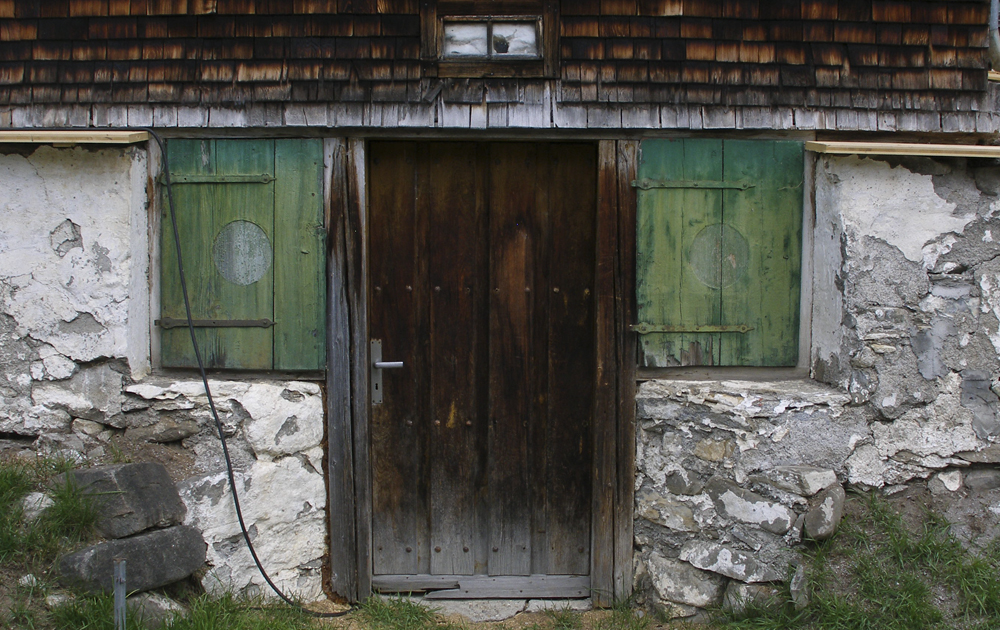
<point x="645" y="329"/>
<point x="257" y="178"/>
<point x="647" y="184"/>
<point x="173" y="322"/>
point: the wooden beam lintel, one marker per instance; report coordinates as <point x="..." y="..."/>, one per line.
<point x="903" y="148"/>
<point x="64" y="138"/>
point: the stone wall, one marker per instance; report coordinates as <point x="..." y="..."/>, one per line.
<point x="733" y="476"/>
<point x="75" y="370"/>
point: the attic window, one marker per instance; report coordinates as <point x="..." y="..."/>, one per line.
<point x="501" y="38"/>
<point x="491" y="38"/>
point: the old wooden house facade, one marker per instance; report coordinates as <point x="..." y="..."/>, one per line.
<point x="505" y="298"/>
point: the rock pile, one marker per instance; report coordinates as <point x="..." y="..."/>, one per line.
<point x="140" y="513"/>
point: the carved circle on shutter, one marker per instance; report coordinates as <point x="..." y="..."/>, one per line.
<point x="719" y="255"/>
<point x="242" y="252"/>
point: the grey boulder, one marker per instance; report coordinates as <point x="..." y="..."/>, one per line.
<point x="131" y="497"/>
<point x="152" y="559"/>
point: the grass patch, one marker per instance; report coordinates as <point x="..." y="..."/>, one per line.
<point x="69" y="520"/>
<point x="96" y="612"/>
<point x="624" y="616"/>
<point x="399" y="613"/>
<point x="877" y="574"/>
<point x="564" y="619"/>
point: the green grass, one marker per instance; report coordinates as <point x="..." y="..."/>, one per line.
<point x="400" y="613"/>
<point x="96" y="612"/>
<point x="68" y="521"/>
<point x="564" y="619"/>
<point x="624" y="616"/>
<point x="895" y="579"/>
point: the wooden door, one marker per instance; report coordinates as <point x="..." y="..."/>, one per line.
<point x="482" y="272"/>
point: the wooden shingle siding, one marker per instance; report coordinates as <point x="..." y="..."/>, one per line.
<point x="881" y="55"/>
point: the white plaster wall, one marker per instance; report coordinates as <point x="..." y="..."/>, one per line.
<point x="889" y="203"/>
<point x="73" y="254"/>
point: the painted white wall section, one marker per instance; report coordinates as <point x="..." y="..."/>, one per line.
<point x="66" y="259"/>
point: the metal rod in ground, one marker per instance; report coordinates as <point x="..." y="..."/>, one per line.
<point x="119" y="588"/>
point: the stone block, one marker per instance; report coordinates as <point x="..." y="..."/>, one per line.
<point x="798" y="588"/>
<point x="154" y="611"/>
<point x="132" y="497"/>
<point x="152" y="559"/>
<point x="732" y="501"/>
<point x="804" y="480"/>
<point x="164" y="430"/>
<point x="727" y="561"/>
<point x="822" y="521"/>
<point x="679" y="582"/>
<point x="480" y="610"/>
<point x="741" y="596"/>
<point x="945" y="482"/>
<point x="982" y="479"/>
<point x="656" y="508"/>
<point x="33" y="504"/>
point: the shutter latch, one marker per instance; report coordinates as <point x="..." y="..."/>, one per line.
<point x="645" y="329"/>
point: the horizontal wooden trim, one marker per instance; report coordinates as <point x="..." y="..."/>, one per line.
<point x="727" y="373"/>
<point x="74" y="137"/>
<point x="993" y="75"/>
<point x="486" y="586"/>
<point x="901" y="148"/>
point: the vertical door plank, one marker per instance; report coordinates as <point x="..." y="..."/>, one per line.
<point x="511" y="273"/>
<point x="397" y="432"/>
<point x="602" y="517"/>
<point x="669" y="291"/>
<point x="299" y="246"/>
<point x="571" y="370"/>
<point x="625" y="315"/>
<point x="456" y="278"/>
<point x="356" y="233"/>
<point x="538" y="297"/>
<point x="340" y="449"/>
<point x="240" y="348"/>
<point x="769" y="218"/>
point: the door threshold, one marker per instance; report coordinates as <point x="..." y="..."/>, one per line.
<point x="486" y="586"/>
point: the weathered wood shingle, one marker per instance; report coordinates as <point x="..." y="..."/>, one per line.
<point x="871" y="54"/>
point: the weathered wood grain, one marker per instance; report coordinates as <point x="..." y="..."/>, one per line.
<point x="627" y="162"/>
<point x="511" y="370"/>
<point x="357" y="266"/>
<point x="603" y="467"/>
<point x="340" y="447"/>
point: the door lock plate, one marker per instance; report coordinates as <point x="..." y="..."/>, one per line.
<point x="377" y="366"/>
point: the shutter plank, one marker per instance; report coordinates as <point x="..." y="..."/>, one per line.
<point x="769" y="216"/>
<point x="668" y="291"/>
<point x="240" y="348"/>
<point x="194" y="209"/>
<point x="300" y="247"/>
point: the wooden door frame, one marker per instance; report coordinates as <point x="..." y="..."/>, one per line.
<point x="347" y="393"/>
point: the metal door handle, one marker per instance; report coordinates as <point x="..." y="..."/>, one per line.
<point x="377" y="366"/>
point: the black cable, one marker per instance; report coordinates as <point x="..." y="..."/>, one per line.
<point x="208" y="391"/>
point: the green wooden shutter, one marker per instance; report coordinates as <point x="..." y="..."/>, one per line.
<point x="250" y="218"/>
<point x="718" y="251"/>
